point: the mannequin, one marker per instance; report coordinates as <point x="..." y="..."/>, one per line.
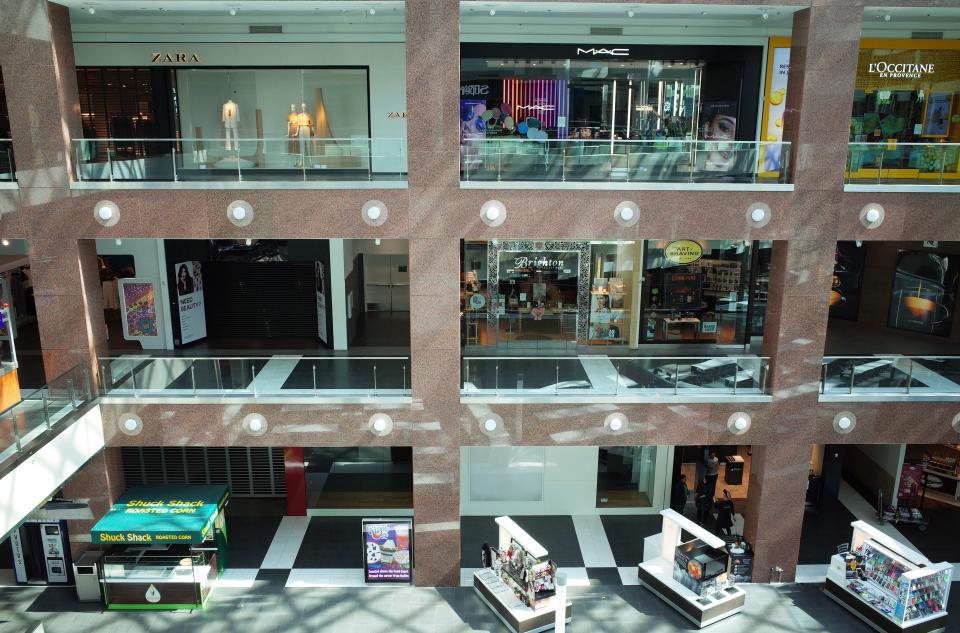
<point x="304" y="129"/>
<point x="231" y="122"/>
<point x="292" y="145"/>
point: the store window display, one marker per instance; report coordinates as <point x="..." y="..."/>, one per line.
<point x="907" y="91"/>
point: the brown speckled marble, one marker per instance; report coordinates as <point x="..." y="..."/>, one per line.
<point x="100" y="482"/>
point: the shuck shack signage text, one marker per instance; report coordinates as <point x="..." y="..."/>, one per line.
<point x="887" y="70"/>
<point x="174" y="58"/>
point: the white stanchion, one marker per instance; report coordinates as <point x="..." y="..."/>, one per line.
<point x="560" y="614"/>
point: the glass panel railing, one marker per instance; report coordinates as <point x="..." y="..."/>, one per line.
<point x="8" y="171"/>
<point x="893" y="163"/>
<point x="326" y="376"/>
<point x="597" y="375"/>
<point x="42" y="410"/>
<point x="217" y="160"/>
<point x="574" y="160"/>
<point x="918" y="376"/>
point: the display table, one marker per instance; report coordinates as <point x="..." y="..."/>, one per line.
<point x="887" y="585"/>
<point x="673" y="328"/>
<point x="657" y="573"/>
<point x="513" y="613"/>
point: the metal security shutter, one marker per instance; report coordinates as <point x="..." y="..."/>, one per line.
<point x="247" y="471"/>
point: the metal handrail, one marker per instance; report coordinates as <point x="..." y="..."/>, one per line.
<point x="577" y="358"/>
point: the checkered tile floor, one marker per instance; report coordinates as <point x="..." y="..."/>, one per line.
<point x="325" y="551"/>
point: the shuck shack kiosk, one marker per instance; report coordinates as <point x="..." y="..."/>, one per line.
<point x="164" y="546"/>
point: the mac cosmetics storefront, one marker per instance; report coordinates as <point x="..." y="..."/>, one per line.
<point x="558" y="295"/>
<point x="588" y="91"/>
<point x="322" y="107"/>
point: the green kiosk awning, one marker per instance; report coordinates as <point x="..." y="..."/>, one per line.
<point x="161" y="514"/>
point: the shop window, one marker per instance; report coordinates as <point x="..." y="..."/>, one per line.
<point x="359" y="477"/>
<point x="506" y="473"/>
<point x="626" y="476"/>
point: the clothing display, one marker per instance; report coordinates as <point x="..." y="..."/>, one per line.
<point x="231" y="123"/>
<point x="300" y="130"/>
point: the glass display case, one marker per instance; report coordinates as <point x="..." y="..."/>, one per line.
<point x="698" y="567"/>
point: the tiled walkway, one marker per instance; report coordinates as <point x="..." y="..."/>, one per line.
<point x="267" y="606"/>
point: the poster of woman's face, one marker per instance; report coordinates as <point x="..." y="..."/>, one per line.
<point x="719" y="124"/>
<point x="184" y="281"/>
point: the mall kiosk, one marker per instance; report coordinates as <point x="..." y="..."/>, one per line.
<point x="518" y="582"/>
<point x="692" y="577"/>
<point x="888" y="585"/>
<point x="164" y="546"/>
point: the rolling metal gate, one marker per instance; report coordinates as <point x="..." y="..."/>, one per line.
<point x="248" y="471"/>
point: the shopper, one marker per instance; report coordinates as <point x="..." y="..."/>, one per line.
<point x="678" y="497"/>
<point x="712" y="470"/>
<point x="704" y="501"/>
<point x="725" y="513"/>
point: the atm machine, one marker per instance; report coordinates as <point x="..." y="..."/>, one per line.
<point x="41" y="553"/>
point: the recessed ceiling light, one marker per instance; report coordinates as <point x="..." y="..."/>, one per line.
<point x="493" y="11"/>
<point x="91" y="10"/>
<point x="233" y="11"/>
<point x="372" y="11"/>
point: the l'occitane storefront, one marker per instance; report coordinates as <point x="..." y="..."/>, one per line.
<point x="906" y="111"/>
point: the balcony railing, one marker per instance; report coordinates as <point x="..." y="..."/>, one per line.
<point x="696" y="377"/>
<point x="659" y="161"/>
<point x="918" y="377"/>
<point x="262" y="376"/>
<point x="216" y="160"/>
<point x="892" y="163"/>
<point x="43" y="410"/>
<point x="8" y="171"/>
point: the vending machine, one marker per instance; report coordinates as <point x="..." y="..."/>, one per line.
<point x="41" y="553"/>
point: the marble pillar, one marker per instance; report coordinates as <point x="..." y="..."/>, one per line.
<point x="99" y="483"/>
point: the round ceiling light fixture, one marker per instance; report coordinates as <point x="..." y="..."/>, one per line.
<point x="739" y="422"/>
<point x="616" y="422"/>
<point x="255" y="424"/>
<point x="758" y="214"/>
<point x="233" y="11"/>
<point x="106" y="212"/>
<point x="380" y="424"/>
<point x="630" y="13"/>
<point x="240" y="213"/>
<point x="871" y="215"/>
<point x="493" y="213"/>
<point x="844" y="422"/>
<point x="627" y="213"/>
<point x="374" y="212"/>
<point x="130" y="424"/>
<point x="490" y="423"/>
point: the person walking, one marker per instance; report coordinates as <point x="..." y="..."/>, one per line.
<point x="679" y="494"/>
<point x="712" y="472"/>
<point x="704" y="501"/>
<point x="725" y="513"/>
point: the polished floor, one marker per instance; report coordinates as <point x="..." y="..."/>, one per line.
<point x="268" y="606"/>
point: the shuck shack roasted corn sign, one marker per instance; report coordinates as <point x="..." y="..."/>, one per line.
<point x="173" y="519"/>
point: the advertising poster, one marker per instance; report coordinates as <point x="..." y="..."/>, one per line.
<point x="193" y="318"/>
<point x="682" y="291"/>
<point x="388" y="550"/>
<point x="911" y="479"/>
<point x="320" y="273"/>
<point x="847" y="281"/>
<point x="936" y="118"/>
<point x="924" y="293"/>
<point x="719" y="125"/>
<point x="775" y="102"/>
<point x="138" y="301"/>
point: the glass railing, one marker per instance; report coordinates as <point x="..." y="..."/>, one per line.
<point x="614" y="376"/>
<point x="209" y="160"/>
<point x="917" y="376"/>
<point x="43" y="410"/>
<point x="893" y="163"/>
<point x="576" y="160"/>
<point x="8" y="171"/>
<point x="326" y="376"/>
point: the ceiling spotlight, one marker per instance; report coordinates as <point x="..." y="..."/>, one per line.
<point x="374" y="213"/>
<point x="872" y="215"/>
<point x="741" y="424"/>
<point x="844" y="423"/>
<point x="372" y="11"/>
<point x="886" y="18"/>
<point x="233" y="11"/>
<point x="630" y="13"/>
<point x="118" y="242"/>
<point x="493" y="12"/>
<point x="765" y="15"/>
<point x="490" y="424"/>
<point x="377" y="241"/>
<point x="248" y="242"/>
<point x="91" y="10"/>
<point x="130" y="424"/>
<point x="5" y="242"/>
<point x="616" y="424"/>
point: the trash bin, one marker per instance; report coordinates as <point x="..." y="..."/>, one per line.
<point x="733" y="474"/>
<point x="86" y="574"/>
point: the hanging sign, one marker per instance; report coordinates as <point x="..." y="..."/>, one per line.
<point x="683" y="251"/>
<point x="193" y="318"/>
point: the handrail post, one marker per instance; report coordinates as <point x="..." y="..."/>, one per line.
<point x="133" y="378"/>
<point x="76" y="152"/>
<point x="73" y="394"/>
<point x="216" y="372"/>
<point x="239" y="168"/>
<point x="496" y="379"/>
<point x="253" y="380"/>
<point x="46" y="412"/>
<point x="943" y="162"/>
<point x="736" y="374"/>
<point x="823" y="377"/>
<point x="16" y="432"/>
<point x="556" y="384"/>
<point x="563" y="161"/>
<point x="499" y="162"/>
<point x="853" y="373"/>
<point x="880" y="167"/>
<point x="173" y="157"/>
<point x="404" y="367"/>
<point x="764" y="373"/>
<point x="313" y="366"/>
<point x="910" y="375"/>
<point x="193" y="376"/>
<point x="109" y="162"/>
<point x="676" y="377"/>
<point x="374" y="379"/>
<point x="616" y="387"/>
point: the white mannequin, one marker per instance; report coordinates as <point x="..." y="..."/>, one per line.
<point x="231" y="122"/>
